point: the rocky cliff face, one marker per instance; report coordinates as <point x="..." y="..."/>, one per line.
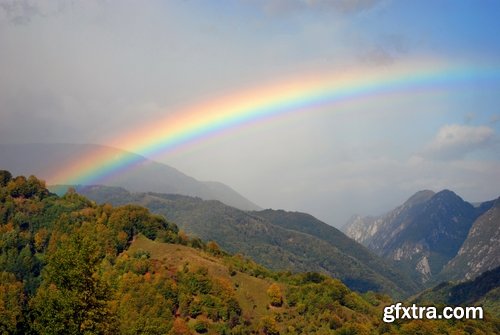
<point x="424" y="233"/>
<point x="480" y="251"/>
<point x="360" y="228"/>
<point x="375" y="232"/>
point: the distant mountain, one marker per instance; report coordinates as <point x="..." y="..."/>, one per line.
<point x="481" y="249"/>
<point x="372" y="231"/>
<point x="483" y="290"/>
<point x="146" y="176"/>
<point x="423" y="234"/>
<point x="277" y="239"/>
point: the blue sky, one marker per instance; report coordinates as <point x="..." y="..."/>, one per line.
<point x="88" y="71"/>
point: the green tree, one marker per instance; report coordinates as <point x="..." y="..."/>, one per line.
<point x="134" y="219"/>
<point x="5" y="177"/>
<point x="72" y="298"/>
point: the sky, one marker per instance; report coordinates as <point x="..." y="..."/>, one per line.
<point x="94" y="71"/>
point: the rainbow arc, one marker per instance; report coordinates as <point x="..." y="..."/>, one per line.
<point x="304" y="93"/>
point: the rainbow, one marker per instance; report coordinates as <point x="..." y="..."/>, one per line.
<point x="303" y="93"/>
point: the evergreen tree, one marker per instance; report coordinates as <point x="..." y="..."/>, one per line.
<point x="5" y="177"/>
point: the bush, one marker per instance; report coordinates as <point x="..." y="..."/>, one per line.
<point x="201" y="326"/>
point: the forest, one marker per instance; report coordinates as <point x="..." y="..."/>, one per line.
<point x="70" y="266"/>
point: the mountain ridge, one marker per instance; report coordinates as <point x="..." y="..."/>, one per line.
<point x="146" y="176"/>
<point x="423" y="234"/>
<point x="480" y="251"/>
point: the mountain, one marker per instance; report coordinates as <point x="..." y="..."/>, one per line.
<point x="145" y="176"/>
<point x="423" y="234"/>
<point x="307" y="224"/>
<point x="276" y="239"/>
<point x="372" y="231"/>
<point x="70" y="266"/>
<point x="481" y="249"/>
<point x="483" y="290"/>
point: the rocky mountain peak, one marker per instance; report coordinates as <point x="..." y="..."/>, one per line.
<point x="424" y="233"/>
<point x="419" y="197"/>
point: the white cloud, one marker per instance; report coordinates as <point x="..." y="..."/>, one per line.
<point x="23" y="11"/>
<point x="456" y="141"/>
<point x="338" y="6"/>
<point x="345" y="6"/>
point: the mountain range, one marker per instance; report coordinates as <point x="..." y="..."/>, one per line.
<point x="146" y="176"/>
<point x="435" y="235"/>
<point x="275" y="238"/>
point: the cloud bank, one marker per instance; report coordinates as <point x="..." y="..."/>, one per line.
<point x="456" y="141"/>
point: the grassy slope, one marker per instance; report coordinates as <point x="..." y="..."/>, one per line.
<point x="250" y="291"/>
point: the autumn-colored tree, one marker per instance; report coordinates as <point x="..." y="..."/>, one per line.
<point x="183" y="237"/>
<point x="27" y="187"/>
<point x="420" y="327"/>
<point x="180" y="328"/>
<point x="269" y="326"/>
<point x="213" y="248"/>
<point x="142" y="306"/>
<point x="274" y="293"/>
<point x="11" y="301"/>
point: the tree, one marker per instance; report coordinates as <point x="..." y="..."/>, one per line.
<point x="27" y="188"/>
<point x="72" y="298"/>
<point x="5" y="177"/>
<point x="11" y="301"/>
<point x="274" y="293"/>
<point x="269" y="326"/>
<point x="180" y="328"/>
<point x="133" y="219"/>
<point x="213" y="248"/>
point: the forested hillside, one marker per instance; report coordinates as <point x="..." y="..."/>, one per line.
<point x="277" y="239"/>
<point x="70" y="266"/>
<point x="483" y="290"/>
